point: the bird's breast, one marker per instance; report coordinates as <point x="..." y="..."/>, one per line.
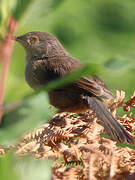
<point x="39" y="74"/>
<point x="35" y="76"/>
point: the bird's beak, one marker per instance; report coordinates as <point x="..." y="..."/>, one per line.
<point x="17" y="38"/>
<point x="21" y="40"/>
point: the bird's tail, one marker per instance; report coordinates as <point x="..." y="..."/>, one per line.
<point x="113" y="128"/>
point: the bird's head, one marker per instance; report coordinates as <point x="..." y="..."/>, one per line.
<point x="40" y="45"/>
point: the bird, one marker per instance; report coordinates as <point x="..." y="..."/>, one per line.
<point x="47" y="60"/>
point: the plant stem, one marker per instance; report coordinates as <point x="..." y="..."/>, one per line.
<point x="6" y="51"/>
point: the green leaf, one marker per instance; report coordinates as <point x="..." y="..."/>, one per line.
<point x="34" y="112"/>
<point x="125" y="145"/>
<point x="39" y="9"/>
<point x="116" y="64"/>
<point x="24" y="168"/>
<point x="6" y="165"/>
<point x="86" y="70"/>
<point x="28" y="8"/>
<point x="21" y="7"/>
<point x="4" y="12"/>
<point x="75" y="115"/>
<point x="29" y="168"/>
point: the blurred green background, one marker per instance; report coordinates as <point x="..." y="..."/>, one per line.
<point x="94" y="31"/>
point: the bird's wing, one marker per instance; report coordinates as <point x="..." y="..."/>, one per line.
<point x="93" y="86"/>
<point x="57" y="68"/>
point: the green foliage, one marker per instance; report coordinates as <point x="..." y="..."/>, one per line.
<point x="96" y="31"/>
<point x="125" y="145"/>
<point x="33" y="112"/>
<point x="24" y="168"/>
<point x="7" y="168"/>
<point x="116" y="64"/>
<point x="115" y="16"/>
<point x="87" y="70"/>
<point x="29" y="168"/>
<point x="20" y="8"/>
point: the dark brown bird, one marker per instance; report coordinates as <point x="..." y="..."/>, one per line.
<point x="47" y="60"/>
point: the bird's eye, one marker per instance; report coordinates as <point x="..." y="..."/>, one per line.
<point x="33" y="40"/>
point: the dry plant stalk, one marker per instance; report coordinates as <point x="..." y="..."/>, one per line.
<point x="79" y="150"/>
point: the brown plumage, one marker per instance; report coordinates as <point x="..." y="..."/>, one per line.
<point x="47" y="60"/>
